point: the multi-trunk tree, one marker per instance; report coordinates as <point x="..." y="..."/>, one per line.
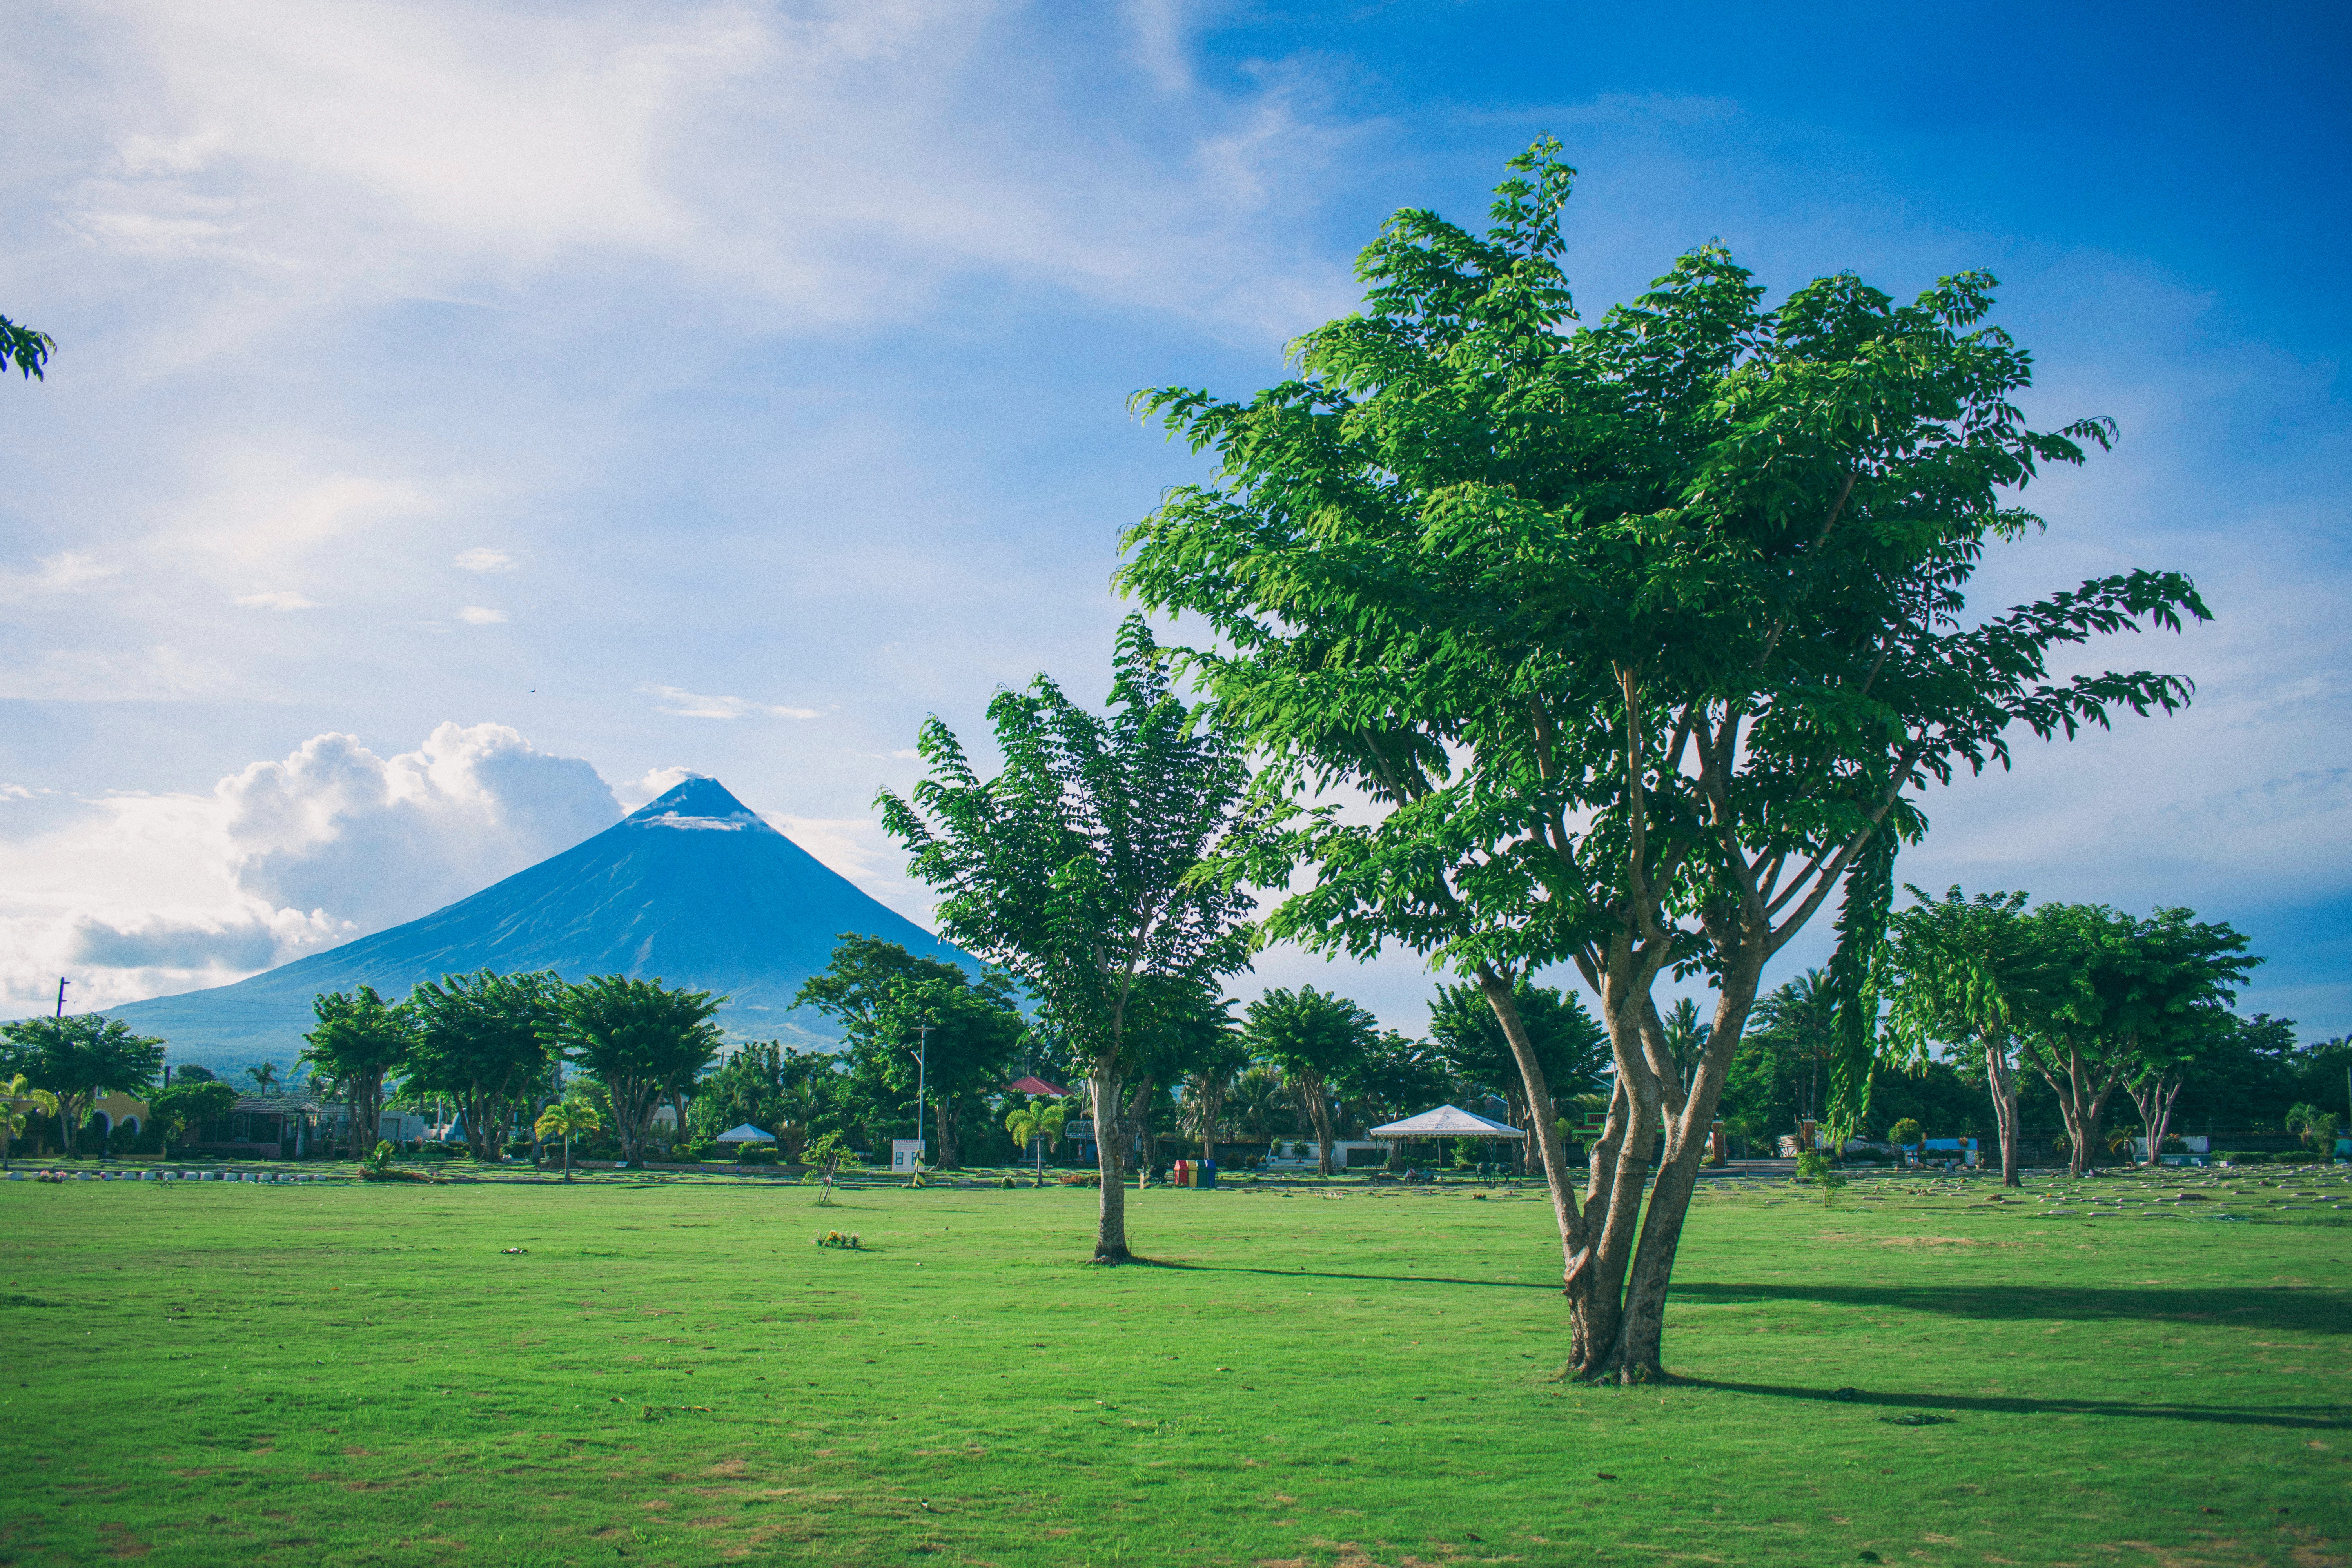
<point x="1076" y="869"/>
<point x="359" y="1040"/>
<point x="1316" y="1038"/>
<point x="487" y="1041"/>
<point x="1634" y="643"/>
<point x="2130" y="999"/>
<point x="641" y="1041"/>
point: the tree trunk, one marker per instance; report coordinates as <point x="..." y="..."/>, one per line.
<point x="70" y="1115"/>
<point x="1315" y="1099"/>
<point x="950" y="1145"/>
<point x="567" y="1156"/>
<point x="1110" y="1162"/>
<point x="2154" y="1102"/>
<point x="1642" y="1334"/>
<point x="2003" y="1086"/>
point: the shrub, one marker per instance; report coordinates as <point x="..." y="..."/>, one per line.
<point x="521" y="1149"/>
<point x="700" y="1149"/>
<point x="1082" y="1178"/>
<point x="758" y="1155"/>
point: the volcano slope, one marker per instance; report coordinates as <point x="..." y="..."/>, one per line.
<point x="694" y="888"/>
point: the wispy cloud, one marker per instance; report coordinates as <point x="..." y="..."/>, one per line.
<point x="480" y="559"/>
<point x="283" y="599"/>
<point x="687" y="704"/>
<point x="481" y="615"/>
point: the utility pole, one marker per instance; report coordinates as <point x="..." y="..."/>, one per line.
<point x="62" y="984"/>
<point x="922" y="1085"/>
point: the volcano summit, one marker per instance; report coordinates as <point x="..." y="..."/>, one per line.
<point x="694" y="888"/>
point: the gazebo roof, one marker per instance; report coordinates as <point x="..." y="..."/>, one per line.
<point x="1037" y="1086"/>
<point x="1445" y="1122"/>
<point x="747" y="1133"/>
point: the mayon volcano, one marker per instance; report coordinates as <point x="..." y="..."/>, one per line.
<point x="694" y="888"/>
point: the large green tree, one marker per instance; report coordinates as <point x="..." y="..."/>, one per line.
<point x="1632" y="643"/>
<point x="913" y="1022"/>
<point x="80" y="1060"/>
<point x="486" y="1040"/>
<point x="359" y="1040"/>
<point x="2127" y="1000"/>
<point x="644" y="1042"/>
<point x="1969" y="975"/>
<point x="1076" y="868"/>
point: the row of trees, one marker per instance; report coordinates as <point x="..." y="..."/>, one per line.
<point x="490" y="1044"/>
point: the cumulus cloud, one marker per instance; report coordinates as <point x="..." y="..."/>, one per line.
<point x="483" y="560"/>
<point x="139" y="895"/>
<point x="694" y="705"/>
<point x="481" y="615"/>
<point x="653" y="785"/>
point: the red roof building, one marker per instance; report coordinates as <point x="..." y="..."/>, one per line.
<point x="1037" y="1086"/>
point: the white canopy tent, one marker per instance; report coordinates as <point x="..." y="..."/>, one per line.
<point x="747" y="1133"/>
<point x="1446" y="1122"/>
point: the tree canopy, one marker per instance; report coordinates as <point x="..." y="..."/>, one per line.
<point x="1631" y="643"/>
<point x="1075" y="867"/>
<point x="80" y="1060"/>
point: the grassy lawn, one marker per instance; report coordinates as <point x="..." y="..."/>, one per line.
<point x="671" y="1373"/>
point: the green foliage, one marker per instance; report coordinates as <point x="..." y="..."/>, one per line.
<point x="79" y="1060"/>
<point x="1079" y="866"/>
<point x="894" y="1008"/>
<point x="642" y="1040"/>
<point x="1628" y="640"/>
<point x="184" y="1106"/>
<point x="1905" y="1134"/>
<point x="24" y="349"/>
<point x="1569" y="1043"/>
<point x="1314" y="1037"/>
<point x="359" y="1040"/>
<point x="487" y="1041"/>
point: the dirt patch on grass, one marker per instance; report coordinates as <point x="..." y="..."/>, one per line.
<point x="119" y="1542"/>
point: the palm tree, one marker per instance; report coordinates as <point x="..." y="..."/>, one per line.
<point x="12" y="1120"/>
<point x="265" y="1078"/>
<point x="1037" y="1123"/>
<point x="1686" y="1039"/>
<point x="1257" y="1098"/>
<point x="567" y="1119"/>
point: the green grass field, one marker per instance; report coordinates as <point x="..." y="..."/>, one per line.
<point x="671" y="1373"/>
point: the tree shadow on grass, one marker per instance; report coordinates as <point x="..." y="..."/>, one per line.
<point x="2312" y="1417"/>
<point x="1335" y="1273"/>
<point x="2315" y="1311"/>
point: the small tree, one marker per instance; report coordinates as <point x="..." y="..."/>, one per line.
<point x="13" y="1117"/>
<point x="1568" y="1043"/>
<point x="1908" y="1136"/>
<point x="2315" y="1127"/>
<point x="1965" y="974"/>
<point x="358" y="1040"/>
<point x="1039" y="1122"/>
<point x="81" y="1060"/>
<point x="177" y="1107"/>
<point x="1313" y="1036"/>
<point x="568" y="1118"/>
<point x="641" y="1038"/>
<point x="1077" y="868"/>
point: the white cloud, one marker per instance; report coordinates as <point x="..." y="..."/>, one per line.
<point x="160" y="673"/>
<point x="656" y="782"/>
<point x="67" y="572"/>
<point x="142" y="894"/>
<point x="283" y="599"/>
<point x="693" y="705"/>
<point x="481" y="559"/>
<point x="481" y="615"/>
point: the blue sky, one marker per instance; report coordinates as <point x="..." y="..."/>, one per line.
<point x="467" y="416"/>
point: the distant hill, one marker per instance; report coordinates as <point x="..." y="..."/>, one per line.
<point x="695" y="889"/>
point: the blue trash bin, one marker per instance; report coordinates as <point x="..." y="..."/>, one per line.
<point x="1204" y="1175"/>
